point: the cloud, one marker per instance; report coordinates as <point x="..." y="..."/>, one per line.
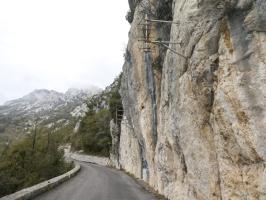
<point x="56" y="44"/>
<point x="3" y="99"/>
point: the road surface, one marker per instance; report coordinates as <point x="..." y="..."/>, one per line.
<point x="95" y="182"/>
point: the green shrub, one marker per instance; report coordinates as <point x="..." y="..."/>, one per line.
<point x="94" y="134"/>
<point x="22" y="166"/>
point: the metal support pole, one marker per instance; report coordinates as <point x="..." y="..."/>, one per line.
<point x="174" y="51"/>
<point x="159" y="41"/>
<point x="162" y="21"/>
<point x="116" y="116"/>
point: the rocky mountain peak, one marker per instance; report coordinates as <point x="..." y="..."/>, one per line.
<point x="81" y="92"/>
<point x="48" y="106"/>
<point x="44" y="95"/>
<point x="37" y="96"/>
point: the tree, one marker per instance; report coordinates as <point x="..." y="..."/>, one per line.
<point x="22" y="166"/>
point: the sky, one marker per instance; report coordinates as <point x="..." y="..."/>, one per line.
<point x="60" y="44"/>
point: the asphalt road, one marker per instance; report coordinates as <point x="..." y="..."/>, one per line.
<point x="95" y="182"/>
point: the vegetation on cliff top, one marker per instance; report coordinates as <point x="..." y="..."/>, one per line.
<point x="94" y="135"/>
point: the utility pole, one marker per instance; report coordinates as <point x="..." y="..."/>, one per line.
<point x="146" y="32"/>
<point x="34" y="135"/>
<point x="35" y="124"/>
<point x="147" y="40"/>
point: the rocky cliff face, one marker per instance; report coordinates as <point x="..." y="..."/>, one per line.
<point x="194" y="123"/>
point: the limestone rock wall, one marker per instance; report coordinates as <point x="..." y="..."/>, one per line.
<point x="195" y="127"/>
<point x="114" y="154"/>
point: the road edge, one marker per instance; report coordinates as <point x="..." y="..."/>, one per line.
<point x="142" y="183"/>
<point x="102" y="161"/>
<point x="31" y="192"/>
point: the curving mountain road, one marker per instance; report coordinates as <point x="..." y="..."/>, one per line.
<point x="95" y="182"/>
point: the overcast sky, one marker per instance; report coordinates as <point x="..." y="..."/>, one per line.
<point x="58" y="44"/>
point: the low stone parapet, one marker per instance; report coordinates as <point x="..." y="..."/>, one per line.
<point x="31" y="192"/>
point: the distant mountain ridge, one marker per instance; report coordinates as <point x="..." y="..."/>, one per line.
<point x="41" y="95"/>
<point x="44" y="95"/>
<point x="44" y="106"/>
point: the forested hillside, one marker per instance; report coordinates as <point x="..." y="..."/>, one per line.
<point x="93" y="136"/>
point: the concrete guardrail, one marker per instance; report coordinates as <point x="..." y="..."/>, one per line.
<point x="31" y="192"/>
